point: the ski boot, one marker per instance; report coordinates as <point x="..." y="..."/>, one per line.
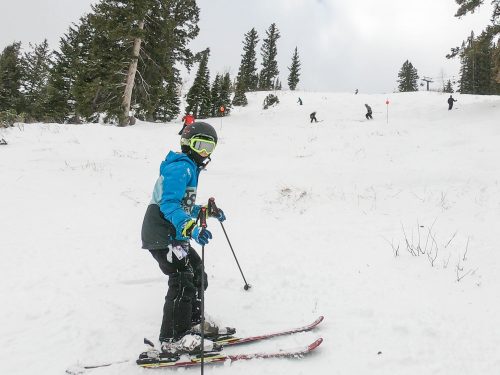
<point x="212" y="331"/>
<point x="190" y="343"/>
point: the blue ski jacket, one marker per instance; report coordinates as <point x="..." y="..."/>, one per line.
<point x="173" y="202"/>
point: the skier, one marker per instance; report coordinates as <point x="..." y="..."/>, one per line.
<point x="188" y="119"/>
<point x="450" y="102"/>
<point x="368" y="112"/>
<point x="299" y="101"/>
<point x="356" y="92"/>
<point x="169" y="224"/>
<point x="312" y="116"/>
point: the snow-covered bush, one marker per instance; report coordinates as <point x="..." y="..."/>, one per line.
<point x="270" y="100"/>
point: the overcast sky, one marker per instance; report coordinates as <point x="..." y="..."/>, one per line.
<point x="343" y="44"/>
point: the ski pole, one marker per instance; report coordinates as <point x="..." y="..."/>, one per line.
<point x="213" y="210"/>
<point x="203" y="224"/>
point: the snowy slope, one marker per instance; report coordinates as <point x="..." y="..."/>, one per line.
<point x="318" y="214"/>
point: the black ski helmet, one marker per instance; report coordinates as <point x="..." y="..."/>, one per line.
<point x="201" y="130"/>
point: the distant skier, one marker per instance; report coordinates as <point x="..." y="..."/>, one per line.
<point x="3" y="141"/>
<point x="450" y="102"/>
<point x="299" y="101"/>
<point x="312" y="116"/>
<point x="368" y="112"/>
<point x="356" y="92"/>
<point x="188" y="119"/>
<point x="169" y="224"/>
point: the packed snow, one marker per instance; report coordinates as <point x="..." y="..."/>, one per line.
<point x="386" y="227"/>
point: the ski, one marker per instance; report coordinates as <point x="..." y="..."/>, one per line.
<point x="232" y="340"/>
<point x="220" y="357"/>
<point x="214" y="356"/>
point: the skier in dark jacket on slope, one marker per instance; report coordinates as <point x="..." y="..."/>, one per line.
<point x="368" y="112"/>
<point x="312" y="116"/>
<point x="169" y="224"/>
<point x="450" y="102"/>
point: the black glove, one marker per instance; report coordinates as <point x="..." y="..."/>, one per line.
<point x="214" y="211"/>
<point x="219" y="215"/>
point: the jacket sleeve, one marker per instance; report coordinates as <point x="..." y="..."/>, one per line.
<point x="175" y="181"/>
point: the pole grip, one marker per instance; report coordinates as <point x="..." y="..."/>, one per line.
<point x="213" y="210"/>
<point x="203" y="217"/>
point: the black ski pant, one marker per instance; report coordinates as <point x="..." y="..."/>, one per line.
<point x="369" y="116"/>
<point x="182" y="308"/>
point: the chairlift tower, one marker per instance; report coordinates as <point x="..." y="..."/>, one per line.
<point x="427" y="80"/>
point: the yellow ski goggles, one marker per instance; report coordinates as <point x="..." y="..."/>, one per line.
<point x="200" y="145"/>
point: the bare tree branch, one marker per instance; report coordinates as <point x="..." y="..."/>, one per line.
<point x="466" y="249"/>
<point x="452" y="237"/>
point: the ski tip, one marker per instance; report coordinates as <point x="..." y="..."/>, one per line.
<point x="315" y="344"/>
<point x="317" y="321"/>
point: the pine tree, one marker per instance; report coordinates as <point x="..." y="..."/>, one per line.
<point x="484" y="64"/>
<point x="269" y="64"/>
<point x="277" y="84"/>
<point x="215" y="95"/>
<point x="489" y="61"/>
<point x="129" y="50"/>
<point x="57" y="102"/>
<point x="36" y="70"/>
<point x="198" y="97"/>
<point x="293" y="77"/>
<point x="119" y="26"/>
<point x="169" y="99"/>
<point x="448" y="88"/>
<point x="408" y="77"/>
<point x="225" y="94"/>
<point x="169" y="27"/>
<point x="466" y="84"/>
<point x="71" y="87"/>
<point x="10" y="78"/>
<point x="478" y="69"/>
<point x="60" y="103"/>
<point x="496" y="65"/>
<point x="247" y="74"/>
<point x="470" y="6"/>
<point x="220" y="94"/>
<point x="206" y="99"/>
<point x="240" y="99"/>
<point x="96" y="71"/>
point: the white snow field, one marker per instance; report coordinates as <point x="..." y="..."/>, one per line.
<point x="388" y="229"/>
